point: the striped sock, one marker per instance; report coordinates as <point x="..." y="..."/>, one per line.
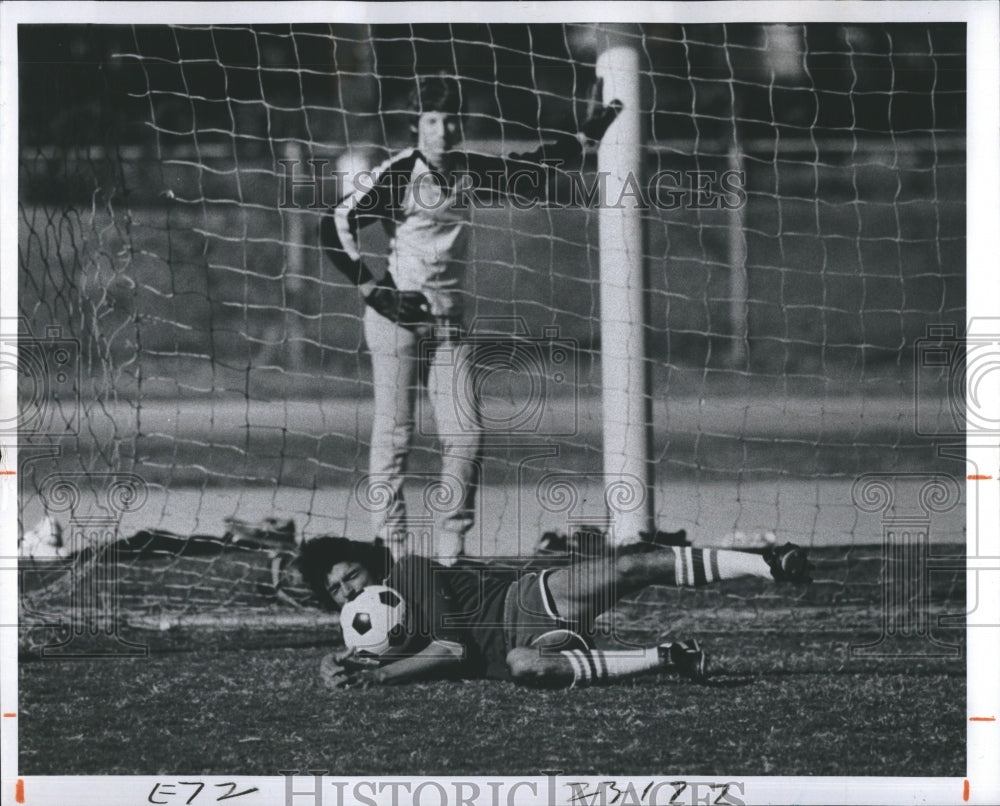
<point x="694" y="567"/>
<point x="595" y="666"/>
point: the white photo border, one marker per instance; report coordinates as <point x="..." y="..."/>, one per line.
<point x="982" y="781"/>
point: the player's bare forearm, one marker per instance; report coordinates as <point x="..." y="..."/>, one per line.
<point x="436" y="661"/>
<point x="344" y="669"/>
<point x="530" y="175"/>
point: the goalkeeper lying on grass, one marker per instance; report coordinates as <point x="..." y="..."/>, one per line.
<point x="533" y="627"/>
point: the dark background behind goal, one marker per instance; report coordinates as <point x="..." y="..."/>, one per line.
<point x="150" y="230"/>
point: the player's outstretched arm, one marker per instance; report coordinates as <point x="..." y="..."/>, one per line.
<point x="439" y="660"/>
<point x="528" y="175"/>
<point x="571" y="146"/>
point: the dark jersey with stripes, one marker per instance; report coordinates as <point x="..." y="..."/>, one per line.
<point x="463" y="605"/>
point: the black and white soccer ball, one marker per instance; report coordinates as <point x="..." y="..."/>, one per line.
<point x="374" y="621"/>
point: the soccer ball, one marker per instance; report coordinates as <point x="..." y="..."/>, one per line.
<point x="374" y="621"/>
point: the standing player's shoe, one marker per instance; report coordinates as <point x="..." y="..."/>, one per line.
<point x="45" y="541"/>
<point x="687" y="658"/>
<point x="552" y="543"/>
<point x="269" y="532"/>
<point x="586" y="541"/>
<point x="788" y="563"/>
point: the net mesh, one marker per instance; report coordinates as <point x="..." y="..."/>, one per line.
<point x="804" y="216"/>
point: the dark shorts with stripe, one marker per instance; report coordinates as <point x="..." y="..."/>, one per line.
<point x="531" y="617"/>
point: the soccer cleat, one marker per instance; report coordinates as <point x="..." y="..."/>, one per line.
<point x="788" y="563"/>
<point x="586" y="541"/>
<point x="45" y="541"/>
<point x="269" y="532"/>
<point x="552" y="543"/>
<point x="687" y="658"/>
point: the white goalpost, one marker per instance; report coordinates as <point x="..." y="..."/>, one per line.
<point x="625" y="388"/>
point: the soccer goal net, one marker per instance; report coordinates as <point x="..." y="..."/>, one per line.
<point x="188" y="354"/>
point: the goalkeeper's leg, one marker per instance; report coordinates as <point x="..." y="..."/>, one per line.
<point x="547" y="649"/>
<point x="583" y="591"/>
<point x="579" y="666"/>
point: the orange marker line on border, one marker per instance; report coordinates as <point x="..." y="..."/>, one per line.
<point x="965" y="790"/>
<point x="982" y="719"/>
<point x="10" y="714"/>
<point x="8" y="472"/>
<point x="19" y="791"/>
<point x="978" y="478"/>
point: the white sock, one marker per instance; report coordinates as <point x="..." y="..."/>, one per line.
<point x="595" y="666"/>
<point x="703" y="566"/>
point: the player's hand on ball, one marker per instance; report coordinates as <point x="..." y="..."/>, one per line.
<point x="362" y="679"/>
<point x="599" y="117"/>
<point x="330" y="670"/>
<point x="348" y="670"/>
<point x="355" y="661"/>
<point x="404" y="307"/>
<point x="339" y="655"/>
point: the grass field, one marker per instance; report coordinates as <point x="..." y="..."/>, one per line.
<point x="785" y="698"/>
<point x="264" y="711"/>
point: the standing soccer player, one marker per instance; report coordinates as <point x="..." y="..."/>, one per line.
<point x="414" y="318"/>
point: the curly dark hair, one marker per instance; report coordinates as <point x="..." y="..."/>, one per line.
<point x="436" y="93"/>
<point x="319" y="555"/>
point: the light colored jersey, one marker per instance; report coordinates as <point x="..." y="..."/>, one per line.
<point x="428" y="219"/>
<point x="429" y="250"/>
<point x="427" y="223"/>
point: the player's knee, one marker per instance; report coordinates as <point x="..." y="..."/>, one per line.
<point x="520" y="662"/>
<point x="525" y="665"/>
<point x="643" y="568"/>
<point x="629" y="565"/>
<point x="530" y="667"/>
